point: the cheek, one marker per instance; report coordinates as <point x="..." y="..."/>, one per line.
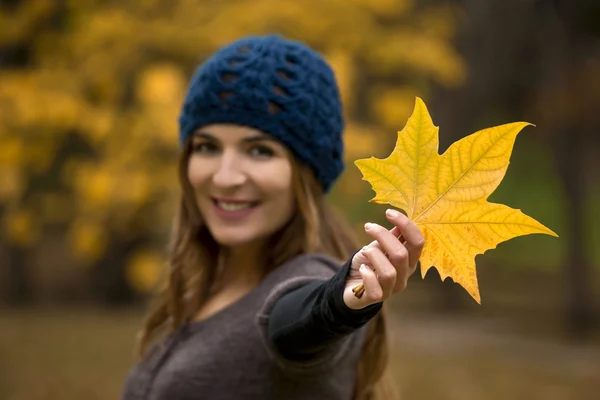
<point x="277" y="185"/>
<point x="276" y="181"/>
<point x="196" y="172"/>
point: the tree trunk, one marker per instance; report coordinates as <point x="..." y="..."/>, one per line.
<point x="568" y="149"/>
<point x="562" y="60"/>
<point x="15" y="283"/>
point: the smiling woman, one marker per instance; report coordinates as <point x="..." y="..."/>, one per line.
<point x="242" y="181"/>
<point x="259" y="302"/>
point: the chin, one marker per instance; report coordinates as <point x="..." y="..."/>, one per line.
<point x="234" y="239"/>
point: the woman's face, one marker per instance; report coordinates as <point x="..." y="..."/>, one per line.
<point x="242" y="180"/>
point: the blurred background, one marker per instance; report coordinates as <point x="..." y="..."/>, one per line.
<point x="90" y="92"/>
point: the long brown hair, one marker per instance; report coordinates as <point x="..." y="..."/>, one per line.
<point x="193" y="260"/>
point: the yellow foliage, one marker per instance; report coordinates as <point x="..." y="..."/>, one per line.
<point x="55" y="207"/>
<point x="446" y="195"/>
<point x="11" y="151"/>
<point x="143" y="270"/>
<point x="161" y="85"/>
<point x="21" y="227"/>
<point x="96" y="185"/>
<point x="421" y="55"/>
<point x="134" y="189"/>
<point x="19" y="24"/>
<point x="12" y="183"/>
<point x="392" y="105"/>
<point x="160" y="90"/>
<point x="385" y="8"/>
<point x="97" y="123"/>
<point x="40" y="154"/>
<point x="87" y="240"/>
<point x="342" y="64"/>
<point x="100" y="97"/>
<point x="38" y="101"/>
<point x="360" y="140"/>
<point x="438" y="21"/>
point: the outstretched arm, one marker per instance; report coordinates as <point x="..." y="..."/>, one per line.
<point x="307" y="320"/>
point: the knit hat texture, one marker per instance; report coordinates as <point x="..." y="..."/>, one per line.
<point x="278" y="86"/>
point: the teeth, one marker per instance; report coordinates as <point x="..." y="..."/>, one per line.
<point x="233" y="206"/>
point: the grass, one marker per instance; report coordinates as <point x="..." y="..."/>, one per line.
<point x="65" y="354"/>
<point x="467" y="360"/>
<point x="86" y="353"/>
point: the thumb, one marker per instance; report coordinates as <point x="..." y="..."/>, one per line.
<point x="373" y="291"/>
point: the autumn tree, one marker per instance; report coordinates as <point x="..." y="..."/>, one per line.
<point x="542" y="68"/>
<point x="89" y="97"/>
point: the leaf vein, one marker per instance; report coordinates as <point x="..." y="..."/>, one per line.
<point x="460" y="177"/>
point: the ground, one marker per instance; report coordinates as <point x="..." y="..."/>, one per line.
<point x="86" y="352"/>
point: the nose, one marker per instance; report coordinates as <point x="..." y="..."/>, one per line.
<point x="229" y="173"/>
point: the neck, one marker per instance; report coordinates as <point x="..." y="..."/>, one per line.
<point x="241" y="265"/>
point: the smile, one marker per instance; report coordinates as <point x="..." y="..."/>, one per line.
<point x="234" y="206"/>
<point x="234" y="209"/>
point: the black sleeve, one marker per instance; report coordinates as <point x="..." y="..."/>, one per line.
<point x="307" y="320"/>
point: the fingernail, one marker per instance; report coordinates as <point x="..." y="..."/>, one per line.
<point x="363" y="268"/>
<point x="368" y="225"/>
<point x="392" y="213"/>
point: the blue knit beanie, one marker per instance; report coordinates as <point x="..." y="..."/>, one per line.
<point x="275" y="85"/>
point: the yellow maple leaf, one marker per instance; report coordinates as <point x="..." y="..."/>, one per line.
<point x="446" y="195"/>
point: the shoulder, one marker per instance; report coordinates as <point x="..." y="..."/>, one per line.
<point x="294" y="273"/>
<point x="307" y="266"/>
<point x="302" y="270"/>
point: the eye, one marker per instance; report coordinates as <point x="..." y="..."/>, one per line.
<point x="261" y="151"/>
<point x="204" y="147"/>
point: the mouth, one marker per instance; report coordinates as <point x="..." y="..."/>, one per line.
<point x="233" y="208"/>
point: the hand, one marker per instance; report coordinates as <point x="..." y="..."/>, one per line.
<point x="386" y="262"/>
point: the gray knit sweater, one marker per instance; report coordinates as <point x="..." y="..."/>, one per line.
<point x="228" y="356"/>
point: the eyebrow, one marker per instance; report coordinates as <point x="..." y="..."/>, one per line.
<point x="247" y="139"/>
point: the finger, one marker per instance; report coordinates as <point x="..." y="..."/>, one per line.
<point x="386" y="273"/>
<point x="373" y="291"/>
<point x="396" y="252"/>
<point x="394" y="231"/>
<point x="411" y="233"/>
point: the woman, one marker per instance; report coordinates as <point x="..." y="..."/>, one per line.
<point x="258" y="305"/>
